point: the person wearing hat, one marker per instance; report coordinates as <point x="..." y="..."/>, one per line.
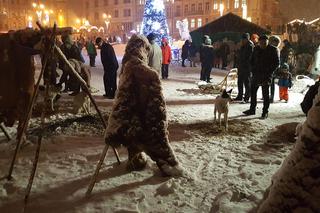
<point x="155" y="53"/>
<point x="265" y="60"/>
<point x="110" y="66"/>
<point x="244" y="68"/>
<point x="206" y="58"/>
<point x="285" y="82"/>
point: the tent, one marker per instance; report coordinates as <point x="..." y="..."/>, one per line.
<point x="228" y="26"/>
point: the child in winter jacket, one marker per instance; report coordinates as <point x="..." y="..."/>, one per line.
<point x="285" y="82"/>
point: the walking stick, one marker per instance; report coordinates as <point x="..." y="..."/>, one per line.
<point x="33" y="172"/>
<point x="94" y="177"/>
<point x="86" y="89"/>
<point x="5" y="132"/>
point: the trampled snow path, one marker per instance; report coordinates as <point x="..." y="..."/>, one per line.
<point x="227" y="171"/>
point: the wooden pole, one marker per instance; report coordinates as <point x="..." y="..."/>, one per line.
<point x="94" y="177"/>
<point x="33" y="172"/>
<point x="5" y="132"/>
<point x="86" y="89"/>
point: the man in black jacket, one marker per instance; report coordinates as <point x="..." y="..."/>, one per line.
<point x="244" y="67"/>
<point x="265" y="60"/>
<point x="110" y="66"/>
<point x="206" y="58"/>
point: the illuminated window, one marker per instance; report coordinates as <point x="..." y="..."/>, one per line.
<point x="244" y="3"/>
<point x="236" y="3"/>
<point x="193" y="23"/>
<point x="215" y="4"/>
<point x="199" y="22"/>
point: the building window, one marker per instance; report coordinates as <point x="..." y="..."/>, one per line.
<point x="193" y="8"/>
<point x="126" y="1"/>
<point x="207" y="6"/>
<point x="178" y="11"/>
<point x="96" y="3"/>
<point x="215" y="4"/>
<point x="244" y="3"/>
<point x="96" y="16"/>
<point x="200" y="7"/>
<point x="126" y="12"/>
<point x="186" y="8"/>
<point x="228" y="4"/>
<point x="87" y="5"/>
<point x="116" y="13"/>
<point x="199" y="22"/>
<point x="116" y="1"/>
<point x="193" y="23"/>
<point x="207" y="20"/>
<point x="236" y="3"/>
<point x="105" y="2"/>
<point x="141" y="1"/>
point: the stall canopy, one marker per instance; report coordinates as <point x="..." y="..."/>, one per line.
<point x="228" y="26"/>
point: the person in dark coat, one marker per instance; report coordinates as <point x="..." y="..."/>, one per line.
<point x="244" y="67"/>
<point x="185" y="53"/>
<point x="110" y="66"/>
<point x="265" y="60"/>
<point x="92" y="52"/>
<point x="274" y="41"/>
<point x="71" y="51"/>
<point x="224" y="52"/>
<point x="284" y="53"/>
<point x="206" y="58"/>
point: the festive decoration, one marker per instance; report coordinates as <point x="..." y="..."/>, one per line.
<point x="154" y="19"/>
<point x="183" y="29"/>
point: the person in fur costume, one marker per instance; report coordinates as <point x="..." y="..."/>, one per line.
<point x="138" y="118"/>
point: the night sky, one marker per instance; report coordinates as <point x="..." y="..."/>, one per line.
<point x="308" y="9"/>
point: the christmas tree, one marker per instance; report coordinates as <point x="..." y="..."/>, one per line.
<point x="154" y="19"/>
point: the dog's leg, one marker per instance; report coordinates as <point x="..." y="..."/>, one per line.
<point x="215" y="114"/>
<point x="219" y="118"/>
<point x="226" y="120"/>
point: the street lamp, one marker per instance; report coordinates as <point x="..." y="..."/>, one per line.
<point x="107" y="20"/>
<point x="41" y="10"/>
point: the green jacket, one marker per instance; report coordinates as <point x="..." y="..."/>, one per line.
<point x="91" y="49"/>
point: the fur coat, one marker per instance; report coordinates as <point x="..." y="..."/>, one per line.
<point x="139" y="112"/>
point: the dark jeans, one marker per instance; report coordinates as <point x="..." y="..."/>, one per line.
<point x="265" y="95"/>
<point x="92" y="60"/>
<point x="165" y="71"/>
<point x="110" y="83"/>
<point x="244" y="80"/>
<point x="207" y="71"/>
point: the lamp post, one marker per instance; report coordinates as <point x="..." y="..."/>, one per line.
<point x="43" y="14"/>
<point x="107" y="20"/>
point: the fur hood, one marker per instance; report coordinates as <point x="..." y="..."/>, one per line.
<point x="139" y="112"/>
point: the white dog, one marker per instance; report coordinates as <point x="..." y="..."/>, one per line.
<point x="221" y="105"/>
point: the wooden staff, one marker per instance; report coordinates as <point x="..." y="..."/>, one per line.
<point x="86" y="90"/>
<point x="33" y="172"/>
<point x="94" y="177"/>
<point x="5" y="132"/>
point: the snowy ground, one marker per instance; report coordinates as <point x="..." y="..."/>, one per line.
<point x="227" y="171"/>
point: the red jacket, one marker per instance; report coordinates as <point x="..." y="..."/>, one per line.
<point x="166" y="52"/>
